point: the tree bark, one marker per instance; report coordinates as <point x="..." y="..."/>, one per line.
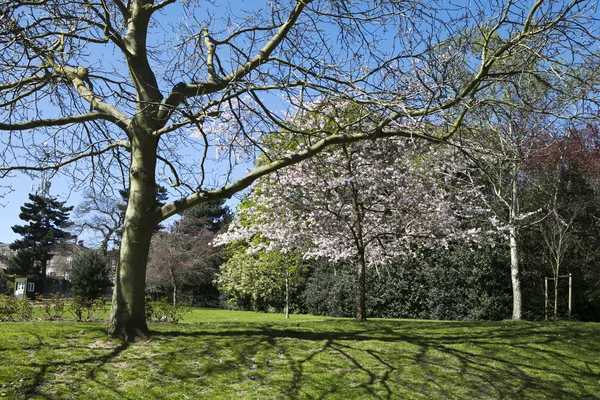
<point x="514" y="250"/>
<point x="361" y="289"/>
<point x="174" y="283"/>
<point x="556" y="294"/>
<point x="127" y="318"/>
<point x="515" y="274"/>
<point x="287" y="296"/>
<point x="361" y="293"/>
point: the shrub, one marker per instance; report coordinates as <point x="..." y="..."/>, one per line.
<point x="54" y="307"/>
<point x="78" y="305"/>
<point x="331" y="290"/>
<point x="164" y="311"/>
<point x="24" y="309"/>
<point x="456" y="283"/>
<point x="89" y="275"/>
<point x="8" y="307"/>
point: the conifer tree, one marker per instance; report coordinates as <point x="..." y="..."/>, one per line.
<point x="46" y="222"/>
<point x="213" y="216"/>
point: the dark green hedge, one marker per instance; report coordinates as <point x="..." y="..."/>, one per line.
<point x="455" y="283"/>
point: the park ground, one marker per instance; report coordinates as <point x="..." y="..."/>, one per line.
<point x="216" y="354"/>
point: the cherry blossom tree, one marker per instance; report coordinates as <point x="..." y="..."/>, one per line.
<point x="365" y="203"/>
<point x="142" y="92"/>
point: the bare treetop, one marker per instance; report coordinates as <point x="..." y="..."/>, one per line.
<point x="82" y="74"/>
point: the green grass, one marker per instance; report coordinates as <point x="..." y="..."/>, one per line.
<point x="238" y="355"/>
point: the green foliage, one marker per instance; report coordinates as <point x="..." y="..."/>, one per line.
<point x="89" y="275"/>
<point x="213" y="216"/>
<point x="257" y="281"/>
<point x="53" y="307"/>
<point x="164" y="311"/>
<point x="11" y="307"/>
<point x="24" y="308"/>
<point x="8" y="307"/>
<point x="577" y="203"/>
<point x="47" y="219"/>
<point x="442" y="284"/>
<point x="23" y="263"/>
<point x="331" y="290"/>
<point x="77" y="305"/>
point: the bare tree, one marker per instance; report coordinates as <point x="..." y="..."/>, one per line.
<point x="178" y="260"/>
<point x="502" y="139"/>
<point x="563" y="183"/>
<point x="147" y="91"/>
<point x="102" y="215"/>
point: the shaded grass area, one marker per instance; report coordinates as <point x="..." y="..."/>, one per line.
<point x="236" y="355"/>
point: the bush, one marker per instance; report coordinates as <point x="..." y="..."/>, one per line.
<point x="24" y="308"/>
<point x="78" y="305"/>
<point x="89" y="275"/>
<point x="54" y="307"/>
<point x="331" y="290"/>
<point x="8" y="307"/>
<point x="456" y="283"/>
<point x="164" y="311"/>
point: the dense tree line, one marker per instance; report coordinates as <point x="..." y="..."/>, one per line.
<point x="447" y="278"/>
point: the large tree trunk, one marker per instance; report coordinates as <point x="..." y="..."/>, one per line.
<point x="127" y="318"/>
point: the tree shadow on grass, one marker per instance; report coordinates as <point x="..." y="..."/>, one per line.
<point x="409" y="359"/>
<point x="44" y="372"/>
<point x="385" y="359"/>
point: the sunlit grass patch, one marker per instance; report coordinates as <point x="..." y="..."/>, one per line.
<point x="224" y="354"/>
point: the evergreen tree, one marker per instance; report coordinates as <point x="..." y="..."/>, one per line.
<point x="47" y="220"/>
<point x="213" y="216"/>
<point x="90" y="275"/>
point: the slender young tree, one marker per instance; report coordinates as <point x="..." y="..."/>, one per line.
<point x="501" y="139"/>
<point x="148" y="91"/>
<point x="563" y="179"/>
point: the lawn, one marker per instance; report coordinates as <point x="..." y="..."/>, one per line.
<point x="241" y="355"/>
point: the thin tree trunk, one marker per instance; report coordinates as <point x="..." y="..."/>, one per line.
<point x="127" y="318"/>
<point x="361" y="293"/>
<point x="361" y="286"/>
<point x="287" y="296"/>
<point x="556" y="295"/>
<point x="174" y="286"/>
<point x="515" y="274"/>
<point x="42" y="284"/>
<point x="514" y="250"/>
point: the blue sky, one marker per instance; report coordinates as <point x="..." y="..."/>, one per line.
<point x="11" y="203"/>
